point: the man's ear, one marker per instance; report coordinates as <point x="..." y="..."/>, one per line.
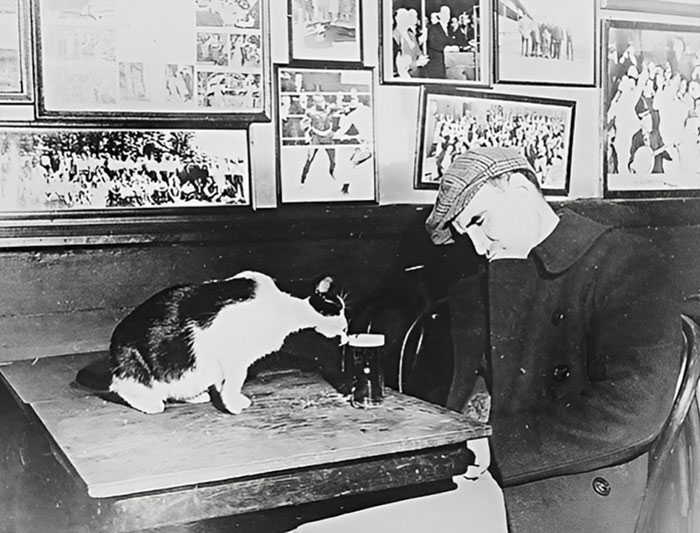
<point x="520" y="184"/>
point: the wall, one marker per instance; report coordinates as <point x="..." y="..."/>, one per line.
<point x="396" y="112"/>
<point x="396" y="116"/>
<point x="62" y="297"/>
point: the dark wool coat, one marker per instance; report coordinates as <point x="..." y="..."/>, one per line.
<point x="581" y="353"/>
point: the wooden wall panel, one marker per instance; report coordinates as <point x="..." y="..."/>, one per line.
<point x="67" y="299"/>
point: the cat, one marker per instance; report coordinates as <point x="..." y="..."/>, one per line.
<point x="187" y="338"/>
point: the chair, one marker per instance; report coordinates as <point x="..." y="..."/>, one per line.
<point x="672" y="498"/>
<point x="418" y="352"/>
<point x="425" y="361"/>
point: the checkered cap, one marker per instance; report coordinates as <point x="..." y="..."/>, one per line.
<point x="463" y="179"/>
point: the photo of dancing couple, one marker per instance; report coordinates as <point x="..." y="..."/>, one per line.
<point x="436" y="41"/>
<point x="325" y="135"/>
<point x="453" y="121"/>
<point x="652" y="109"/>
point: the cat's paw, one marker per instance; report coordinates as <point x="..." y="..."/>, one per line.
<point x="202" y="397"/>
<point x="150" y="407"/>
<point x="234" y="404"/>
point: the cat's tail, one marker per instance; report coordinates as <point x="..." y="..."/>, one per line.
<point x="95" y="376"/>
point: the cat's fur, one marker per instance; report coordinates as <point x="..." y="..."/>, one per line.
<point x="186" y="339"/>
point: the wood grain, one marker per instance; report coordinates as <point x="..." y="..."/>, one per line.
<point x="297" y="420"/>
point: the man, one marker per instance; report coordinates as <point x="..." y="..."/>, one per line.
<point x="581" y="353"/>
<point x="318" y="124"/>
<point x="576" y="333"/>
<point x="439" y="41"/>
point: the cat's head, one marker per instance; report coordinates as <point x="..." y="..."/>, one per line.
<point x="329" y="304"/>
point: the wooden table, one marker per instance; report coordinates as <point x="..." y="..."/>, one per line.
<point x="75" y="462"/>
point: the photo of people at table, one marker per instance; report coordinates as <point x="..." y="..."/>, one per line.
<point x="652" y="109"/>
<point x="434" y="39"/>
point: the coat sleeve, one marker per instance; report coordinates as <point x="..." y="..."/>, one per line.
<point x="634" y="344"/>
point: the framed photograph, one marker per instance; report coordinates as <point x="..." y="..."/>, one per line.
<point x="453" y="121"/>
<point x="436" y="41"/>
<point x="325" y="30"/>
<point x="61" y="170"/>
<point x="546" y="42"/>
<point x="111" y="60"/>
<point x="669" y="7"/>
<point x="651" y="106"/>
<point x="15" y="52"/>
<point x="325" y="135"/>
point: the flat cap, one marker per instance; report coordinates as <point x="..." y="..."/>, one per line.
<point x="463" y="179"/>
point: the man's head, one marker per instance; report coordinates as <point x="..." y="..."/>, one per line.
<point x="492" y="195"/>
<point x="444" y="15"/>
<point x="319" y="101"/>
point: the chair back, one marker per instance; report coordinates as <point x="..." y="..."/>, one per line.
<point x="426" y="359"/>
<point x="673" y="456"/>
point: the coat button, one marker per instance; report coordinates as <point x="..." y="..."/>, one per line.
<point x="561" y="373"/>
<point x="601" y="486"/>
<point x="557" y="317"/>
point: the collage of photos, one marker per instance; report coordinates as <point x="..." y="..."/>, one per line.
<point x="455" y="122"/>
<point x="229" y="60"/>
<point x="91" y="59"/>
<point x="326" y="135"/>
<point x="652" y="108"/>
<point x="10" y="58"/>
<point x="91" y="169"/>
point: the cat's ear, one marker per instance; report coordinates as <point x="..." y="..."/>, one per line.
<point x="325" y="299"/>
<point x="324" y="285"/>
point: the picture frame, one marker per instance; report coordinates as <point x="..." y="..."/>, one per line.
<point x="16" y="81"/>
<point x="452" y="121"/>
<point x="546" y="42"/>
<point x="101" y="171"/>
<point x="651" y="109"/>
<point x="454" y="49"/>
<point x="325" y="135"/>
<point x="689" y="8"/>
<point x="95" y="61"/>
<point x="334" y="35"/>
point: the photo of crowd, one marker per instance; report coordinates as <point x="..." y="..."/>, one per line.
<point x="326" y="135"/>
<point x="549" y="41"/>
<point x="652" y="108"/>
<point x="453" y="124"/>
<point x="434" y="40"/>
<point x="56" y="170"/>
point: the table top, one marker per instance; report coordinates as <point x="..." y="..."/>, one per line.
<point x="297" y="427"/>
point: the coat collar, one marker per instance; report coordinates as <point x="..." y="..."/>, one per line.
<point x="569" y="241"/>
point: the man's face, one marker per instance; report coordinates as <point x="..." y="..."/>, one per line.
<point x="444" y="14"/>
<point x="501" y="220"/>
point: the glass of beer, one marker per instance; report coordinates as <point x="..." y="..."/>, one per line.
<point x="364" y="363"/>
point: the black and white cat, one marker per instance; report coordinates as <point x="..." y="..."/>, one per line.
<point x="187" y="338"/>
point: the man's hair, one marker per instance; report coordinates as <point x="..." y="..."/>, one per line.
<point x="499" y="180"/>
